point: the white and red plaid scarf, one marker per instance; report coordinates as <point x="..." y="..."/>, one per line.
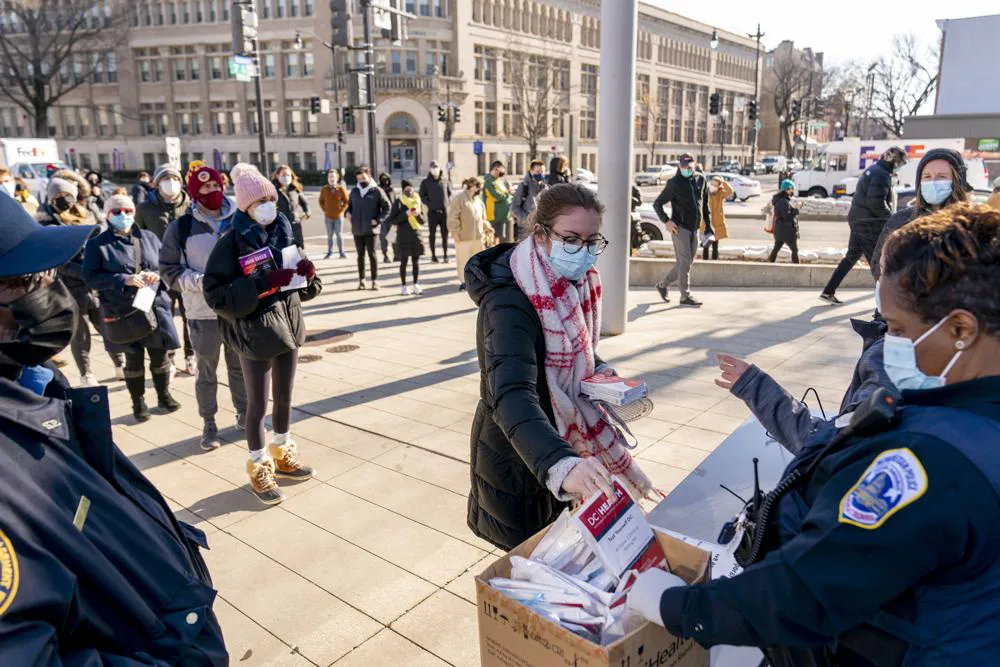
<point x="571" y="322"/>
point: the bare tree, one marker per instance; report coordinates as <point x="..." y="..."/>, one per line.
<point x="536" y="89"/>
<point x="904" y="82"/>
<point x="52" y="47"/>
<point x="655" y="110"/>
<point x="790" y="80"/>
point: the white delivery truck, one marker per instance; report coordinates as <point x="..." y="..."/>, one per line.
<point x="838" y="164"/>
<point x="29" y="158"/>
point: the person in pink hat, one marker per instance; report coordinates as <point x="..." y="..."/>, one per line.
<point x="260" y="315"/>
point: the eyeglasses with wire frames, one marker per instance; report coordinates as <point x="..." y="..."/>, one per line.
<point x="574" y="244"/>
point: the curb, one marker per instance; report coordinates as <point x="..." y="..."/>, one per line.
<point x="648" y="271"/>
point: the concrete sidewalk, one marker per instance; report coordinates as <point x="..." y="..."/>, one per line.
<point x="371" y="562"/>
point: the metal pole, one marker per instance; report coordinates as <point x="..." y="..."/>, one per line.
<point x="572" y="143"/>
<point x="260" y="111"/>
<point x="616" y="128"/>
<point x="722" y="139"/>
<point x="756" y="98"/>
<point x="366" y="7"/>
<point x="450" y="127"/>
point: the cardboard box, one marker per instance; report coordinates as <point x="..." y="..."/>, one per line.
<point x="511" y="635"/>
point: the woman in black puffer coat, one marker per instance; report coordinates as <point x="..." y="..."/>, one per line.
<point x="262" y="322"/>
<point x="786" y="222"/>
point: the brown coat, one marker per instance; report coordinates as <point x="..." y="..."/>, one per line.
<point x="716" y="202"/>
<point x="333" y="201"/>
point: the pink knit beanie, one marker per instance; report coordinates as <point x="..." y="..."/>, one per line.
<point x="250" y="185"/>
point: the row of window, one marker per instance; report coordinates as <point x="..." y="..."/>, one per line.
<point x="434" y="8"/>
<point x="97" y="16"/>
<point x="67" y="121"/>
<point x="296" y="64"/>
<point x="528" y="71"/>
<point x="527" y="16"/>
<point x="225" y="118"/>
<point x="186" y="12"/>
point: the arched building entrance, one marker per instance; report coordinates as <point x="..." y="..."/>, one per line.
<point x="402" y="142"/>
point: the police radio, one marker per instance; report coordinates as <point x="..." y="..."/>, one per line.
<point x="760" y="533"/>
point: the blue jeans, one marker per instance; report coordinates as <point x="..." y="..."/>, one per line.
<point x="335" y="227"/>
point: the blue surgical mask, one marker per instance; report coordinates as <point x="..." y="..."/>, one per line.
<point x="121" y="221"/>
<point x="686" y="173"/>
<point x="899" y="357"/>
<point x="935" y="193"/>
<point x="571" y="266"/>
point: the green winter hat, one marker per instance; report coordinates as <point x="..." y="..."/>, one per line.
<point x="787" y="183"/>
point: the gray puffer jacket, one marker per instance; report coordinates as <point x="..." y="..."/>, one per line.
<point x="183" y="269"/>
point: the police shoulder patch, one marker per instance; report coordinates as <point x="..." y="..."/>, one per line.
<point x="894" y="479"/>
<point x="9" y="574"/>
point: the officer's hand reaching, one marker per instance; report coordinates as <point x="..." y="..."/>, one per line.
<point x="645" y="594"/>
<point x="732" y="370"/>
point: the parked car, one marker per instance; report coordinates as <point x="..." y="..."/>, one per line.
<point x="728" y="167"/>
<point x="656" y="174"/>
<point x="585" y="176"/>
<point x="774" y="163"/>
<point x="743" y="187"/>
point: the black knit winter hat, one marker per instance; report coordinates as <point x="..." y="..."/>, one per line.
<point x="954" y="158"/>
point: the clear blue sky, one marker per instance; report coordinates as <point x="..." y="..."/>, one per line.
<point x="842" y="29"/>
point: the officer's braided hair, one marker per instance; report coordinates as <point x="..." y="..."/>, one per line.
<point x="556" y="200"/>
<point x="949" y="260"/>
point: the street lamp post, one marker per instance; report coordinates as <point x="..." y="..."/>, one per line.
<point x="756" y="95"/>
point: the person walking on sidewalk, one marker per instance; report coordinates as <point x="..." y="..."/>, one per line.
<point x="187" y="244"/>
<point x="385" y="184"/>
<point x="110" y="267"/>
<point x="496" y="197"/>
<point x="407" y="218"/>
<point x="367" y="207"/>
<point x="435" y="193"/>
<point x="527" y="194"/>
<point x="262" y="322"/>
<point x="468" y="225"/>
<point x="718" y="192"/>
<point x="786" y="222"/>
<point x="333" y="200"/>
<point x="291" y="202"/>
<point x="166" y="202"/>
<point x="871" y="207"/>
<point x="687" y="195"/>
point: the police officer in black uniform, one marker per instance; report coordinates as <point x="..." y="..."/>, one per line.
<point x="94" y="568"/>
<point x="894" y="554"/>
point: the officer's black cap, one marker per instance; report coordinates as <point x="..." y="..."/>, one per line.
<point x="27" y="247"/>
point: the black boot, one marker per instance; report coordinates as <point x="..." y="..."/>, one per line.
<point x="137" y="389"/>
<point x="161" y="381"/>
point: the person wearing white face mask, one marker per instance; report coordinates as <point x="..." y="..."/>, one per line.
<point x="536" y="444"/>
<point x="893" y="557"/>
<point x="291" y="202"/>
<point x="118" y="263"/>
<point x="262" y="322"/>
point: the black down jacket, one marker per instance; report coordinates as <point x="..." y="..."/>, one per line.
<point x="257" y="327"/>
<point x="514" y="440"/>
<point x="872" y="201"/>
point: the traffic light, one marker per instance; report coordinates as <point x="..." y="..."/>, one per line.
<point x="714" y="102"/>
<point x="314" y="105"/>
<point x="340" y="23"/>
<point x="752" y="109"/>
<point x="397" y="25"/>
<point x="341" y="138"/>
<point x="819" y="108"/>
<point x="796" y="109"/>
<point x="442" y="113"/>
<point x="348" y="115"/>
<point x="457" y="111"/>
<point x="244" y="29"/>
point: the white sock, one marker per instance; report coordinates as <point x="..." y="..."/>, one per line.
<point x="280" y="439"/>
<point x="258" y="455"/>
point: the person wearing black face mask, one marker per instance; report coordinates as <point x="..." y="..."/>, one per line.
<point x="527" y="193"/>
<point x="125" y="584"/>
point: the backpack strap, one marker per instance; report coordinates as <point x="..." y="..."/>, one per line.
<point x="184" y="232"/>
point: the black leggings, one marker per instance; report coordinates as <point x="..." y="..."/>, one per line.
<point x="416" y="267"/>
<point x="366" y="245"/>
<point x="438" y="220"/>
<point x="257" y="375"/>
<point x="792" y="245"/>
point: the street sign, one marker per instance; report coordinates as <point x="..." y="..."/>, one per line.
<point x="477" y="147"/>
<point x="739" y="104"/>
<point x="383" y="20"/>
<point x="988" y="145"/>
<point x="242" y="68"/>
<point x="358" y="90"/>
<point x="324" y="106"/>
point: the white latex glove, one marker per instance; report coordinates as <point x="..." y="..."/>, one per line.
<point x="645" y="594"/>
